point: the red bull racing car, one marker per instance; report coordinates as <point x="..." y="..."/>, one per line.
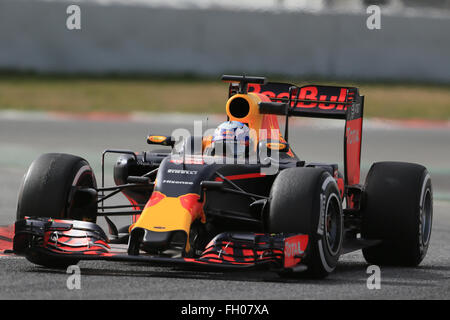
<point x="237" y="199"/>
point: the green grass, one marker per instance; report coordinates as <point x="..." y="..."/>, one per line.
<point x="190" y="94"/>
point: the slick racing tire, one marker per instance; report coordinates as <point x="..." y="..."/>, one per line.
<point x="307" y="201"/>
<point x="398" y="210"/>
<point x="48" y="190"/>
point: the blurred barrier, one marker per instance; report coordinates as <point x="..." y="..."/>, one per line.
<point x="119" y="38"/>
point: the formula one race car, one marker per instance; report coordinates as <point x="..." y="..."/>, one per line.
<point x="237" y="199"/>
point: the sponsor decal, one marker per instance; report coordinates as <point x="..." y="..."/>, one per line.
<point x="321" y="227"/>
<point x="177" y="182"/>
<point x="314" y="93"/>
<point x="179" y="171"/>
<point x="294" y="249"/>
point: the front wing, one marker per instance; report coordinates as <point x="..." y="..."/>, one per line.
<point x="73" y="240"/>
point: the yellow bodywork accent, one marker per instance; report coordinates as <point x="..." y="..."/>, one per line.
<point x="166" y="215"/>
<point x="253" y="118"/>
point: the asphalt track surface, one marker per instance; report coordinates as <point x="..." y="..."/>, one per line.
<point x="23" y="138"/>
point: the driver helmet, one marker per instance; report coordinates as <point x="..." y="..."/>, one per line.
<point x="231" y="139"/>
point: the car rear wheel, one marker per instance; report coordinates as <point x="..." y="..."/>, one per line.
<point x="307" y="201"/>
<point x="398" y="210"/>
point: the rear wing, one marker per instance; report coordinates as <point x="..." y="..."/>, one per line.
<point x="318" y="101"/>
<point x="308" y="101"/>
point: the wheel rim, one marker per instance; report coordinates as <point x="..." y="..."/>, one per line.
<point x="333" y="225"/>
<point x="426" y="216"/>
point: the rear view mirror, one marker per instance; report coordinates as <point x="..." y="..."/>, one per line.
<point x="269" y="146"/>
<point x="161" y="140"/>
<point x="278" y="146"/>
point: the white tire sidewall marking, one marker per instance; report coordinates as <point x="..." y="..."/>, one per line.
<point x="333" y="195"/>
<point x="322" y="205"/>
<point x="425" y="181"/>
<point x="82" y="170"/>
<point x="423" y="195"/>
<point x="321" y="226"/>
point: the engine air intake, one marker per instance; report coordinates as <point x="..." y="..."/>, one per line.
<point x="239" y="107"/>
